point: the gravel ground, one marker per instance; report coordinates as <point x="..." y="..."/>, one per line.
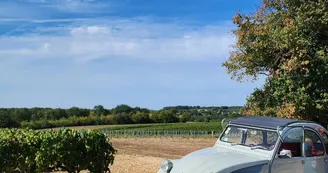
<point x="144" y="155"/>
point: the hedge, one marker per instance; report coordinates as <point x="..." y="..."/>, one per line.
<point x="68" y="150"/>
<point x="67" y="122"/>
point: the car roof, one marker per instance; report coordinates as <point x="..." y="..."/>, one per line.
<point x="265" y="122"/>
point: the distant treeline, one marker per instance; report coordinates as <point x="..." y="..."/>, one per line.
<point x="203" y="107"/>
<point x="37" y="118"/>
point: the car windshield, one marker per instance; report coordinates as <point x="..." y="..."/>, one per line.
<point x="254" y="138"/>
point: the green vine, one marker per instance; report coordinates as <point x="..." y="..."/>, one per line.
<point x="30" y="151"/>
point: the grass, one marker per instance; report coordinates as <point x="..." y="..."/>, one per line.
<point x="195" y="126"/>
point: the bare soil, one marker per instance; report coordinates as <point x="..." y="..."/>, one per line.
<point x="144" y="155"/>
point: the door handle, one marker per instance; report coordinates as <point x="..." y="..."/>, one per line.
<point x="303" y="161"/>
<point x="326" y="159"/>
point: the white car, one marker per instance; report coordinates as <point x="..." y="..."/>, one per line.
<point x="256" y="144"/>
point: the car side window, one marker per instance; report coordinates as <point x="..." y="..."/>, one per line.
<point x="292" y="140"/>
<point x="312" y="144"/>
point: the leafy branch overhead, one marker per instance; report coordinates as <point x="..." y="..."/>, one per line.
<point x="287" y="40"/>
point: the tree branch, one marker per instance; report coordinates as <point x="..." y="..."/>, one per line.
<point x="263" y="73"/>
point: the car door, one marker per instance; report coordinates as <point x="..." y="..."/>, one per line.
<point x="314" y="152"/>
<point x="292" y="140"/>
<point x="324" y="137"/>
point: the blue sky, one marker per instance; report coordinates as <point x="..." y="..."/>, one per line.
<point x="147" y="53"/>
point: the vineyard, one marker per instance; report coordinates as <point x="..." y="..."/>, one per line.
<point x="204" y="129"/>
<point x="63" y="150"/>
<point x="168" y="133"/>
<point x="194" y="129"/>
<point x="194" y="126"/>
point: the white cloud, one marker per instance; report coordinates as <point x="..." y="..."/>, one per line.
<point x="46" y="46"/>
<point x="122" y="38"/>
<point x="90" y="30"/>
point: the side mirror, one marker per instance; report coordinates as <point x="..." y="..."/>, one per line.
<point x="285" y="154"/>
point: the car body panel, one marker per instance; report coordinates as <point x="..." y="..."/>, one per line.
<point x="216" y="160"/>
<point x="292" y="165"/>
<point x="315" y="165"/>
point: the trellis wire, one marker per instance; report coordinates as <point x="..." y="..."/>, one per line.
<point x="182" y="133"/>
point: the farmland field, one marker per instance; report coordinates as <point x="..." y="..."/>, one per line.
<point x="144" y="155"/>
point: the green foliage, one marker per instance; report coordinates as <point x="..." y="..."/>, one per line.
<point x="185" y="117"/>
<point x="7" y="121"/>
<point x="122" y="109"/>
<point x="99" y="110"/>
<point x="288" y="42"/>
<point x="195" y="126"/>
<point x="44" y="151"/>
<point x="123" y="118"/>
<point x="41" y="118"/>
<point x="140" y="118"/>
<point x="167" y="116"/>
<point x="77" y="112"/>
<point x="66" y="122"/>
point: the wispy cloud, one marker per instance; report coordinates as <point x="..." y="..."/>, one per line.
<point x="33" y="10"/>
<point x="121" y="38"/>
<point x="76" y="6"/>
<point x="27" y="20"/>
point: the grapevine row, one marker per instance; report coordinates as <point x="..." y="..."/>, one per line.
<point x="68" y="150"/>
<point x="177" y="133"/>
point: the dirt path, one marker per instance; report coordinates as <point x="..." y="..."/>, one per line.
<point x="144" y="155"/>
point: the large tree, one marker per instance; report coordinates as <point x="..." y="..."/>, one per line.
<point x="287" y="41"/>
<point x="99" y="110"/>
<point x="6" y="121"/>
